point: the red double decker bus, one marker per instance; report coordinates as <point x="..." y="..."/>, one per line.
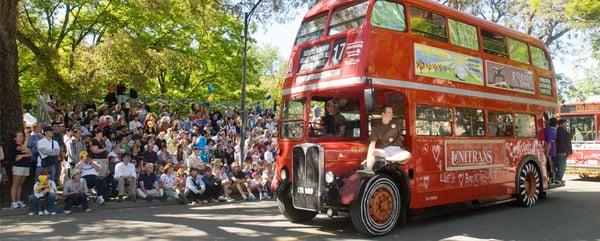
<point x="583" y="118"/>
<point x="472" y="96"/>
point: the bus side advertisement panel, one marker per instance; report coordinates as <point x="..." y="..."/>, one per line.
<point x="443" y="64"/>
<point x="509" y="78"/>
<point x="475" y="154"/>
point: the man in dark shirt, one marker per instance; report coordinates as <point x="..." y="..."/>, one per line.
<point x="386" y="142"/>
<point x="334" y="122"/>
<point x="148" y="187"/>
<point x="563" y="150"/>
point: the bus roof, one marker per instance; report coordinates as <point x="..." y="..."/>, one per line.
<point x="325" y="5"/>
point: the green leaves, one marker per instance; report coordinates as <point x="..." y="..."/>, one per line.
<point x="168" y="49"/>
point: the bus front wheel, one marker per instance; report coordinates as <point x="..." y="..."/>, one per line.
<point x="286" y="207"/>
<point x="529" y="185"/>
<point x="378" y="207"/>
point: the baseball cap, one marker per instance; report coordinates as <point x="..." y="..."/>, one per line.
<point x="47" y="129"/>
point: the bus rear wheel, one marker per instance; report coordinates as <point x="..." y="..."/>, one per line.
<point x="286" y="207"/>
<point x="378" y="208"/>
<point x="529" y="185"/>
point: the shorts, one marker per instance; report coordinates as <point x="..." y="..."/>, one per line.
<point x="393" y="154"/>
<point x="20" y="171"/>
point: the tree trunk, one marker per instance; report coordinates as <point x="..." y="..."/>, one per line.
<point x="11" y="118"/>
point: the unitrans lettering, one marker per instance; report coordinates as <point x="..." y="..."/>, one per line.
<point x="467" y="158"/>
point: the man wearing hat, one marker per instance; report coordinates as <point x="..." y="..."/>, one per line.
<point x="48" y="150"/>
<point x="75" y="192"/>
<point x="90" y="171"/>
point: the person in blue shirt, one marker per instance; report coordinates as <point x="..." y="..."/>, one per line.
<point x="550" y="134"/>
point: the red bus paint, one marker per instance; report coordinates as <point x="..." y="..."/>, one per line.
<point x="473" y="116"/>
<point x="583" y="125"/>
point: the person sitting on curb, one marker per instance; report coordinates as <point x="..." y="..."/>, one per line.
<point x="148" y="187"/>
<point x="44" y="194"/>
<point x="194" y="187"/>
<point x="125" y="174"/>
<point x="386" y="142"/>
<point x="75" y="192"/>
<point x="90" y="171"/>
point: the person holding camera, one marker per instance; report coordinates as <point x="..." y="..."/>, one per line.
<point x="48" y="150"/>
<point x="90" y="171"/>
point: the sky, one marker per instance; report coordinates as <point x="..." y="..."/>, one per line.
<point x="282" y="37"/>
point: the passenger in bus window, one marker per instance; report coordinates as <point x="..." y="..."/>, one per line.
<point x="333" y="121"/>
<point x="386" y="142"/>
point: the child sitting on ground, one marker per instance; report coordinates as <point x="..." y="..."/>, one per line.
<point x="44" y="190"/>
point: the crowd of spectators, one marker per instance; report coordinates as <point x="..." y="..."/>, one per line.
<point x="129" y="151"/>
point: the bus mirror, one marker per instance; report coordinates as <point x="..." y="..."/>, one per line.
<point x="370" y="100"/>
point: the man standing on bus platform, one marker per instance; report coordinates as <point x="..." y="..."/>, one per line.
<point x="334" y="121"/>
<point x="563" y="150"/>
<point x="386" y="142"/>
<point x="550" y="138"/>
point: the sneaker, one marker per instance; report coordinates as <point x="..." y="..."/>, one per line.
<point x="244" y="198"/>
<point x="221" y="199"/>
<point x="53" y="213"/>
<point x="228" y="199"/>
<point x="204" y="201"/>
<point x="67" y="212"/>
<point x="46" y="212"/>
<point x="30" y="214"/>
<point x="14" y="205"/>
<point x="365" y="173"/>
<point x="252" y="197"/>
<point x="212" y="200"/>
<point x="88" y="210"/>
<point x="193" y="203"/>
<point x="21" y="204"/>
<point x="100" y="200"/>
<point x="41" y="213"/>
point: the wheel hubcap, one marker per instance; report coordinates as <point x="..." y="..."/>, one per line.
<point x="530" y="184"/>
<point x="381" y="205"/>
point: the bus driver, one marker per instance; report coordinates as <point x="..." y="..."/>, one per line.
<point x="333" y="121"/>
<point x="386" y="143"/>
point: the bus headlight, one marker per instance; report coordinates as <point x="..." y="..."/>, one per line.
<point x="283" y="174"/>
<point x="329" y="177"/>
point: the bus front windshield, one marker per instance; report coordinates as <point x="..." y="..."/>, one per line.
<point x="582" y="128"/>
<point x="292" y="116"/>
<point x="334" y="117"/>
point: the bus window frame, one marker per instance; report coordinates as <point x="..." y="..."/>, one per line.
<point x="416" y="114"/>
<point x="485" y="111"/>
<point x="477" y="35"/>
<point x="325" y="28"/>
<point x="410" y="27"/>
<point x="487" y="121"/>
<point x="495" y="54"/>
<point x="283" y="121"/>
<point x="342" y="7"/>
<point x="363" y="123"/>
<point x="531" y="46"/>
<point x="535" y="120"/>
<point x="404" y="10"/>
<point x="510" y="55"/>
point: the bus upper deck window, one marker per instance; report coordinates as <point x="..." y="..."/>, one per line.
<point x="427" y="24"/>
<point x="493" y="43"/>
<point x="311" y="30"/>
<point x="348" y="18"/>
<point x="538" y="57"/>
<point x="518" y="51"/>
<point x="388" y="15"/>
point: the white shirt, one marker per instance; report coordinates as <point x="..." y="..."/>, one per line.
<point x="88" y="169"/>
<point x="268" y="156"/>
<point x="133" y="125"/>
<point x="45" y="149"/>
<point x="122" y="170"/>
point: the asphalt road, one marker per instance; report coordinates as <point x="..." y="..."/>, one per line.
<point x="569" y="213"/>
